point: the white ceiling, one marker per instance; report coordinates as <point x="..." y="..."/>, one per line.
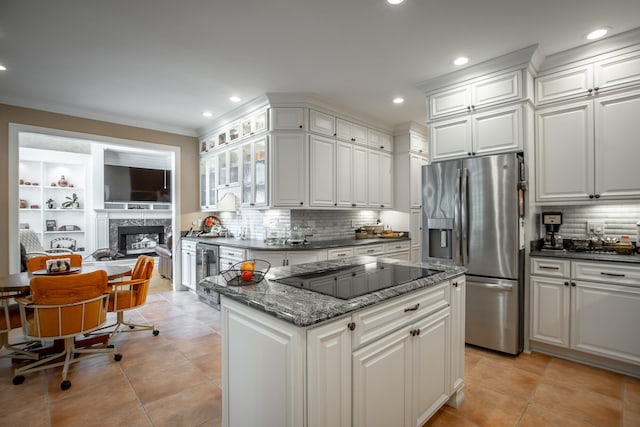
<point x="160" y="63"/>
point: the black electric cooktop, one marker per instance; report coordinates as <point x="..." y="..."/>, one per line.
<point x="355" y="280"/>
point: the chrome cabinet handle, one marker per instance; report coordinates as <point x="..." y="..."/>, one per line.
<point x="414" y="308"/>
<point x="611" y="274"/>
<point x="549" y="268"/>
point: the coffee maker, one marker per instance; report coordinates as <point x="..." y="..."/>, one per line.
<point x="552" y="222"/>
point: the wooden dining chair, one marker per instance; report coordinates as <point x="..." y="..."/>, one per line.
<point x="130" y="294"/>
<point x="40" y="262"/>
<point x="62" y="307"/>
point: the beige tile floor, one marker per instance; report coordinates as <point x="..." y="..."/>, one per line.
<point x="174" y="380"/>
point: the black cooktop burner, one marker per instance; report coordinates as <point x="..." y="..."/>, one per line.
<point x="355" y="280"/>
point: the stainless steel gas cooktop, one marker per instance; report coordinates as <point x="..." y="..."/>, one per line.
<point x="355" y="280"/>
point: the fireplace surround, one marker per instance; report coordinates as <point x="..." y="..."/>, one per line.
<point x="136" y="236"/>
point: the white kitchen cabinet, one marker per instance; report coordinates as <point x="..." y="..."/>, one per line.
<point x="597" y="138"/>
<point x="478" y="93"/>
<point x="380" y="179"/>
<point x="398" y="250"/>
<point x="329" y="374"/>
<point x="604" y="74"/>
<point x="379" y="140"/>
<point x="322" y="171"/>
<point x="360" y="177"/>
<point x="254" y="124"/>
<point x="286" y="118"/>
<point x="344" y="174"/>
<point x="254" y="173"/>
<point x="209" y="182"/>
<point x="593" y="311"/>
<point x="229" y="256"/>
<point x="338" y="253"/>
<point x="458" y="298"/>
<point x="280" y="347"/>
<point x="283" y="258"/>
<point x="415" y="232"/>
<point x="229" y="167"/>
<point x="352" y="132"/>
<point x="188" y="266"/>
<point x="322" y="123"/>
<point x="408" y="181"/>
<point x="371" y="250"/>
<point x="289" y="170"/>
<point x="493" y="131"/>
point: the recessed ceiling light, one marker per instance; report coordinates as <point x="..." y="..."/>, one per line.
<point x="394" y="1"/>
<point x="461" y="60"/>
<point x="398" y="100"/>
<point x="207" y="114"/>
<point x="234" y="99"/>
<point x="3" y="68"/>
<point x="596" y="34"/>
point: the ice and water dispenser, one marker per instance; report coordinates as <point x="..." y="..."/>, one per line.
<point x="439" y="238"/>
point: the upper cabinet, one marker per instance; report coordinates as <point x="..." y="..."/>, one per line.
<point x="585" y="150"/>
<point x="286" y="118"/>
<point x="352" y="132"/>
<point x="587" y="79"/>
<point x="479" y="93"/>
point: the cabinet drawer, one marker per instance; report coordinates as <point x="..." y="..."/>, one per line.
<point x="189" y="245"/>
<point x="232" y="253"/>
<point x="397" y="246"/>
<point x="383" y="319"/>
<point x="373" y="250"/>
<point x="227" y="263"/>
<point x="606" y="272"/>
<point x="550" y="267"/>
<point x="339" y="253"/>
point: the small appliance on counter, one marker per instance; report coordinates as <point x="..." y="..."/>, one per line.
<point x="552" y="222"/>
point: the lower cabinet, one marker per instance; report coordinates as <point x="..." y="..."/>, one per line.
<point x="598" y="316"/>
<point x="282" y="258"/>
<point x="188" y="254"/>
<point x="355" y="370"/>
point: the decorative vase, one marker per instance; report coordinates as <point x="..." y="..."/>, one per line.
<point x="62" y="182"/>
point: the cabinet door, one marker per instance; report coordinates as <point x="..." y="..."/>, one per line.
<point x="418" y="144"/>
<point x="617" y="149"/>
<point x="322" y="123"/>
<point x="275" y="258"/>
<point x="284" y="118"/>
<point x="498" y="89"/>
<point x="203" y="184"/>
<point x="329" y="375"/>
<point x="345" y="174"/>
<point x="322" y="171"/>
<point x="301" y="257"/>
<point x="430" y="372"/>
<point x="564" y="84"/>
<point x="450" y="139"/>
<point x="212" y="182"/>
<point x="385" y="182"/>
<point x="360" y="183"/>
<point x="415" y="185"/>
<point x="449" y="101"/>
<point x="604" y="320"/>
<point x="373" y="178"/>
<point x="564" y="152"/>
<point x="289" y="170"/>
<point x="415" y="232"/>
<point x="497" y="131"/>
<point x="382" y="382"/>
<point x="458" y="292"/>
<point x="348" y="131"/>
<point x="550" y="310"/>
<point x="188" y="268"/>
<point x="619" y="71"/>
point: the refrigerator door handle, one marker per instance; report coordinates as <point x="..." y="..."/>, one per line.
<point x="464" y="217"/>
<point x="456" y="221"/>
<point x="494" y="286"/>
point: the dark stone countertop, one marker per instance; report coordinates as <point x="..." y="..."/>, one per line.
<point x="304" y="308"/>
<point x="257" y="244"/>
<point x="586" y="256"/>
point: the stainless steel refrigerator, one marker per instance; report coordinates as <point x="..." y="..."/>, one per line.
<point x="473" y="216"/>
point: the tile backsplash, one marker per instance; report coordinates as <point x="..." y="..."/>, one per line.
<point x="326" y="225"/>
<point x="618" y="219"/>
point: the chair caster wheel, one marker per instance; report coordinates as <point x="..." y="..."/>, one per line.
<point x="65" y="385"/>
<point x="110" y="346"/>
<point x="131" y="327"/>
<point x="117" y="357"/>
<point x="18" y="380"/>
<point x="155" y="332"/>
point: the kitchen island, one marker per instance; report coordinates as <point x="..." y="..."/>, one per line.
<point x="296" y="357"/>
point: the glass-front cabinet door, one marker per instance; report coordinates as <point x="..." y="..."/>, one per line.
<point x="222" y="168"/>
<point x="254" y="173"/>
<point x="203" y="183"/>
<point x="234" y="166"/>
<point x="212" y="177"/>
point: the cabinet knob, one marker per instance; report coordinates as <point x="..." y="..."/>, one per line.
<point x="455" y="284"/>
<point x="353" y="140"/>
<point x="473" y="153"/>
<point x="566" y="283"/>
<point x="382" y="147"/>
<point x="597" y="196"/>
<point x="301" y="203"/>
<point x="353" y="205"/>
<point x="591" y="196"/>
<point x="468" y="108"/>
<point x="300" y="126"/>
<point x="382" y="206"/>
<point x="596" y="89"/>
<point x="473" y="107"/>
<point x="469" y="153"/>
<point x="335" y="204"/>
<point x="573" y="284"/>
<point x="590" y="90"/>
<point x="351" y="326"/>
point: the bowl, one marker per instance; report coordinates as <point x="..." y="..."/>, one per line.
<point x="373" y="229"/>
<point x="233" y="276"/>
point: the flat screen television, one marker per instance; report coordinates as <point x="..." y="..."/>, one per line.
<point x="129" y="184"/>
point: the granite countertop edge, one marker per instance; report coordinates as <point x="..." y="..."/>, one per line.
<point x="307" y="308"/>
<point x="256" y="244"/>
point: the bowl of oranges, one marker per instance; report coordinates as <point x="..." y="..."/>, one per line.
<point x="247" y="272"/>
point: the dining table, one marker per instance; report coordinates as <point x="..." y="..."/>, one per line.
<point x="18" y="284"/>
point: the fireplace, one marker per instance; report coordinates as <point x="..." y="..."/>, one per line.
<point x="139" y="239"/>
